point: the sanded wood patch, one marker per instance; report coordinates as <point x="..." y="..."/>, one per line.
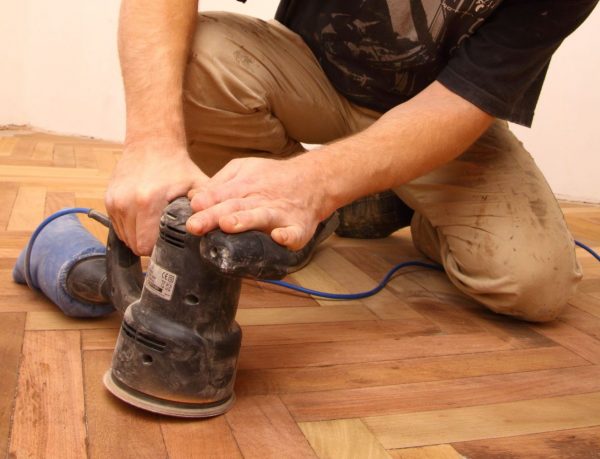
<point x="343" y="438"/>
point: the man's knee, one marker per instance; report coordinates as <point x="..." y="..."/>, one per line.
<point x="533" y="285"/>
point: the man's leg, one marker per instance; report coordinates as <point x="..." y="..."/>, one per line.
<point x="254" y="88"/>
<point x="491" y="219"/>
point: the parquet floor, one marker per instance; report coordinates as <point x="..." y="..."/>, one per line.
<point x="417" y="371"/>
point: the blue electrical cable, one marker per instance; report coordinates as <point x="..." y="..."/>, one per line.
<point x="334" y="296"/>
<point x="589" y="249"/>
<point x="359" y="295"/>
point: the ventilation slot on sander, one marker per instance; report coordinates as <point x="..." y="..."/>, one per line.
<point x="143" y="338"/>
<point x="172" y="235"/>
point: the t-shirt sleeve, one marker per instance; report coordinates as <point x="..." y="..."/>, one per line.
<point x="501" y="68"/>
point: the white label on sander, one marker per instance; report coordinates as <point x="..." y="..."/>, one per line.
<point x="160" y="281"/>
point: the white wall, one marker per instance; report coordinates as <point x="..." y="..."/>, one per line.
<point x="59" y="71"/>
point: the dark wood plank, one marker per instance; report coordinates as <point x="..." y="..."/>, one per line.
<point x="392" y="372"/>
<point x="116" y="429"/>
<point x="208" y="438"/>
<point x="12" y="327"/>
<point x="319" y="354"/>
<point x="49" y="418"/>
<point x="263" y="428"/>
<point x="565" y="444"/>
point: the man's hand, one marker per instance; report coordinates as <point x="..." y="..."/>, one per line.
<point x="145" y="180"/>
<point x="285" y="198"/>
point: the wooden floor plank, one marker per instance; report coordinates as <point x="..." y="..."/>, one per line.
<point x="12" y="327"/>
<point x="427" y="452"/>
<point x="56" y="320"/>
<point x="263" y="428"/>
<point x="49" y="408"/>
<point x="393" y="372"/>
<point x="306" y="315"/>
<point x="343" y="438"/>
<point x="572" y="339"/>
<point x="64" y="156"/>
<point x="28" y="209"/>
<point x="8" y="194"/>
<point x="565" y="444"/>
<point x="208" y="438"/>
<point x="330" y="353"/>
<point x="58" y="201"/>
<point x="488" y="421"/>
<point x="115" y="428"/>
<point x="436" y="395"/>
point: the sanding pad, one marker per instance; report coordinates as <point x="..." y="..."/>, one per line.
<point x="162" y="406"/>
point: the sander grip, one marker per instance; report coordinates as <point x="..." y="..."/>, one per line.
<point x="124" y="272"/>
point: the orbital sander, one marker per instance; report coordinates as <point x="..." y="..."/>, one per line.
<point x="179" y="343"/>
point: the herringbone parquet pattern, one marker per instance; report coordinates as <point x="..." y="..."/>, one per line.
<point x="418" y="371"/>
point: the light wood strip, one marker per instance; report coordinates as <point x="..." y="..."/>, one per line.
<point x="257" y="335"/>
<point x="58" y="201"/>
<point x="8" y="194"/>
<point x="427" y="452"/>
<point x="263" y="428"/>
<point x="56" y="320"/>
<point x="117" y="430"/>
<point x="573" y="443"/>
<point x="210" y="438"/>
<point x="99" y="339"/>
<point x="343" y="438"/>
<point x="272" y="316"/>
<point x="391" y="372"/>
<point x="28" y="209"/>
<point x="12" y="327"/>
<point x="490" y="421"/>
<point x="435" y="395"/>
<point x="64" y="156"/>
<point x="49" y="409"/>
<point x="23" y="149"/>
<point x="85" y="157"/>
<point x="385" y="305"/>
<point x="315" y="278"/>
<point x="256" y="294"/>
<point x="50" y="172"/>
<point x="43" y="151"/>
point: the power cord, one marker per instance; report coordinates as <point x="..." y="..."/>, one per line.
<point x="103" y="219"/>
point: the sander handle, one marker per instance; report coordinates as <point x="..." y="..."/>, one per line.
<point x="254" y="254"/>
<point x="124" y="272"/>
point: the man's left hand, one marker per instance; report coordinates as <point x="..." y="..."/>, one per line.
<point x="285" y="198"/>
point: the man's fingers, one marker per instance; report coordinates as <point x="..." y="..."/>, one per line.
<point x="293" y="237"/>
<point x="208" y="219"/>
<point x="259" y="218"/>
<point x="146" y="227"/>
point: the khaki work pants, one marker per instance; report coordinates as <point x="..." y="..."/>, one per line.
<point x="253" y="88"/>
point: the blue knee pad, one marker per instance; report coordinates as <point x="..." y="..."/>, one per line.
<point x="58" y="247"/>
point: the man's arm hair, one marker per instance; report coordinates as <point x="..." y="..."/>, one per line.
<point x="154" y="41"/>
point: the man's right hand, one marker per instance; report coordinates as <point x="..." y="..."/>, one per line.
<point x="145" y="180"/>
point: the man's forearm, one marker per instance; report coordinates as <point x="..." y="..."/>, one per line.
<point x="154" y="40"/>
<point x="408" y="141"/>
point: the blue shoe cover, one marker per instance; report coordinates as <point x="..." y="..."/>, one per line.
<point x="61" y="244"/>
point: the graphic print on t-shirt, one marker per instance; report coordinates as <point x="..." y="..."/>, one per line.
<point x="401" y="41"/>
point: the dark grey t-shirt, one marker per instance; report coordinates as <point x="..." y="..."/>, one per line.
<point x="380" y="53"/>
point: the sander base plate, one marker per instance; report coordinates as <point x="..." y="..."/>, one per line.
<point x="162" y="406"/>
